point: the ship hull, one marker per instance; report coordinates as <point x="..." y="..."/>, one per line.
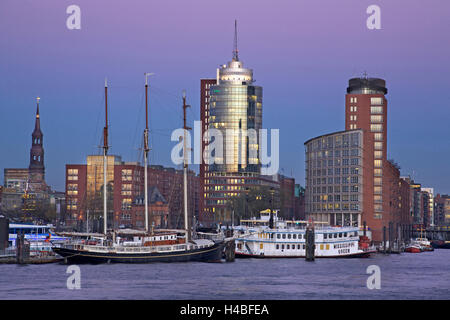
<point x="440" y="244"/>
<point x="210" y="254"/>
<point x="364" y="254"/>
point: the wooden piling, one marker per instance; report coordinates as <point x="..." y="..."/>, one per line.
<point x="390" y="237"/>
<point x="365" y="226"/>
<point x="22" y="249"/>
<point x="230" y="251"/>
<point x="310" y="246"/>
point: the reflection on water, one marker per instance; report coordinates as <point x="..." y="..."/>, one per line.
<point x="407" y="276"/>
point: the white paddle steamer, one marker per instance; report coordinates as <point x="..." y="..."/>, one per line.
<point x="255" y="239"/>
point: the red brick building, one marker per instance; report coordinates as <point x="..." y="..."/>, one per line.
<point x="442" y="210"/>
<point x="84" y="192"/>
<point x="205" y="84"/>
<point x="287" y="197"/>
<point x="158" y="210"/>
<point x="366" y="108"/>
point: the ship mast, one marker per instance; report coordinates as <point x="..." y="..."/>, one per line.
<point x="185" y="168"/>
<point x="105" y="166"/>
<point x="146" y="150"/>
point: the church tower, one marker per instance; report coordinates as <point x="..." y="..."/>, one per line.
<point x="36" y="168"/>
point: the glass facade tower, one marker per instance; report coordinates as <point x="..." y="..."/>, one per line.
<point x="235" y="103"/>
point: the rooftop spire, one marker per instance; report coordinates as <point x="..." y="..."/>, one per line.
<point x="37" y="125"/>
<point x="37" y="112"/>
<point x="235" y="49"/>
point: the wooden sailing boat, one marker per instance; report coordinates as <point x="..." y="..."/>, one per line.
<point x="168" y="246"/>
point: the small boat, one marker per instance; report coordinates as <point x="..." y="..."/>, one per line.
<point x="413" y="248"/>
<point x="33" y="233"/>
<point x="424" y="243"/>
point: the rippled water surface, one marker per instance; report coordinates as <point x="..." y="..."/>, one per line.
<point x="407" y="276"/>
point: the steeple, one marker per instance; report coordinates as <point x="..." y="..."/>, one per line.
<point x="235" y="49"/>
<point x="36" y="166"/>
<point x="37" y="125"/>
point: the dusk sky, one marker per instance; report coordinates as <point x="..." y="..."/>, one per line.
<point x="302" y="53"/>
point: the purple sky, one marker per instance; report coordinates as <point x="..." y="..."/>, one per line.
<point x="302" y="53"/>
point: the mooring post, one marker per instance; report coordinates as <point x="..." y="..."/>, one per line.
<point x="384" y="239"/>
<point x="22" y="249"/>
<point x="390" y="237"/>
<point x="230" y="251"/>
<point x="364" y="231"/>
<point x="310" y="246"/>
<point x="19" y="246"/>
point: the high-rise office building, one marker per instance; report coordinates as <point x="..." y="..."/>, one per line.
<point x="336" y="176"/>
<point x="377" y="195"/>
<point x="231" y="101"/>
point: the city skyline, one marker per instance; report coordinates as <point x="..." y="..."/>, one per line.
<point x="66" y="69"/>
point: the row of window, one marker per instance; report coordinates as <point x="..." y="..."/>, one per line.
<point x="336" y="189"/>
<point x="341" y="140"/>
<point x="337" y="153"/>
<point x="335" y="206"/>
<point x="290" y="247"/>
<point x="335" y="180"/>
<point x="337" y="162"/>
<point x="337" y="197"/>
<point x="337" y="171"/>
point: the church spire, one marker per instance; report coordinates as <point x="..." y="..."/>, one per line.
<point x="37" y="125"/>
<point x="36" y="167"/>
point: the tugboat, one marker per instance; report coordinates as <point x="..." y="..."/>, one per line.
<point x="135" y="246"/>
<point x="424" y="244"/>
<point x="413" y="248"/>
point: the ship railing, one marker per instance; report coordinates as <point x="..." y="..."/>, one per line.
<point x="135" y="249"/>
<point x="8" y="252"/>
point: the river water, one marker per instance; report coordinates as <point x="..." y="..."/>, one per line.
<point x="407" y="276"/>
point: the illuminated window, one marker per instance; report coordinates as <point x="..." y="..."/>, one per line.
<point x="378" y="154"/>
<point x="377" y="163"/>
<point x="376" y="118"/>
<point x="126" y="175"/>
<point x="377" y="101"/>
<point x="378" y="172"/>
<point x="376" y="127"/>
<point x="376" y="110"/>
<point x="377" y="181"/>
<point x="126" y="204"/>
<point x="378" y="136"/>
<point x="378" y="145"/>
